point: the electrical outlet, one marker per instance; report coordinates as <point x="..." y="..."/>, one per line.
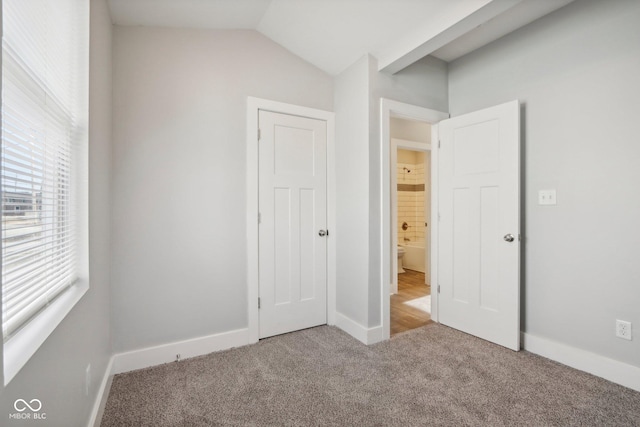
<point x="178" y="357"/>
<point x="623" y="329"/>
<point x="87" y="379"/>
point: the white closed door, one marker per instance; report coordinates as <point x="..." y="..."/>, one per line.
<point x="293" y="217"/>
<point x="479" y="224"/>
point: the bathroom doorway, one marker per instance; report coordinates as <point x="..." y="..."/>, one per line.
<point x="389" y="110"/>
<point x="410" y="304"/>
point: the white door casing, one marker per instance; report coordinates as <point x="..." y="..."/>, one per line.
<point x="479" y="207"/>
<point x="293" y="211"/>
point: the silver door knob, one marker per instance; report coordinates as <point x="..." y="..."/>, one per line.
<point x="509" y="238"/>
<point x="323" y="233"/>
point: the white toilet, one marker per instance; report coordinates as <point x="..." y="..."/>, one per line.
<point x="400" y="256"/>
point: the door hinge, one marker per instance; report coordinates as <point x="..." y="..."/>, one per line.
<point x="259" y="218"/>
<point x="438" y="143"/>
<point x="259" y="133"/>
<point x="258" y="303"/>
<point x="438" y="288"/>
<point x="438" y="216"/>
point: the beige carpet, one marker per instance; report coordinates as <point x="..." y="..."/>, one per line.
<point x="433" y="375"/>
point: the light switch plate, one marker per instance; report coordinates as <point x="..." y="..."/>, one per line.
<point x="547" y="197"/>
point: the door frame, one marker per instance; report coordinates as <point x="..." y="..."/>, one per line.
<point x="388" y="109"/>
<point x="254" y="105"/>
<point x="423" y="147"/>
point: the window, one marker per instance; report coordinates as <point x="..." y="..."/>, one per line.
<point x="44" y="158"/>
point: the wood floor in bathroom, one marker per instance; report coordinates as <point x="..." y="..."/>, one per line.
<point x="404" y="317"/>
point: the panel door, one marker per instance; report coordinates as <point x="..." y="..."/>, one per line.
<point x="479" y="238"/>
<point x="293" y="217"/>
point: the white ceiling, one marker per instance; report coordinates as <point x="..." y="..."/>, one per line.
<point x="333" y="34"/>
<point x="221" y="14"/>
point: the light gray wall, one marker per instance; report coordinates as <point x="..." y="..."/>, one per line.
<point x="576" y="73"/>
<point x="179" y="198"/>
<point x="423" y="83"/>
<point x="56" y="373"/>
<point x="351" y="105"/>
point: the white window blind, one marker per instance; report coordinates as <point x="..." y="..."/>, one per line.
<point x="44" y="137"/>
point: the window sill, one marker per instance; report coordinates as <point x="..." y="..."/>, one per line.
<point x="24" y="344"/>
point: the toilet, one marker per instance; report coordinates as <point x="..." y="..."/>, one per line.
<point x="400" y="256"/>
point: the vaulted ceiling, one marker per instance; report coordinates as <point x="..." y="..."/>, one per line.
<point x="333" y="34"/>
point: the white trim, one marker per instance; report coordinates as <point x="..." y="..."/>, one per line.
<point x="19" y="348"/>
<point x="331" y="220"/>
<point x="435" y="224"/>
<point x="253" y="319"/>
<point x="609" y="369"/>
<point x="388" y="109"/>
<point x="152" y="356"/>
<point x="393" y="205"/>
<point x="364" y="335"/>
<point x="101" y="398"/>
<point x="253" y="106"/>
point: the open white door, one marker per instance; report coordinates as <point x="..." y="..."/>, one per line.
<point x="293" y="222"/>
<point x="479" y="225"/>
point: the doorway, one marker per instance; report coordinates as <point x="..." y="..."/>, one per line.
<point x="410" y="305"/>
<point x="397" y="110"/>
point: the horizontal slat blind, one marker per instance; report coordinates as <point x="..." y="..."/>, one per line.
<point x="44" y="69"/>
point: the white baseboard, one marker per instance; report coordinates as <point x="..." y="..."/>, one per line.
<point x="359" y="332"/>
<point x="152" y="356"/>
<point x="101" y="397"/>
<point x="375" y="335"/>
<point x="609" y="369"/>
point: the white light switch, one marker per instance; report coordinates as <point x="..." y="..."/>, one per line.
<point x="547" y="197"/>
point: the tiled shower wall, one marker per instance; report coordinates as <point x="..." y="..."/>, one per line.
<point x="411" y="195"/>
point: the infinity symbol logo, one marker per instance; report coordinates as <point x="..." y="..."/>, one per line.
<point x="37" y="405"/>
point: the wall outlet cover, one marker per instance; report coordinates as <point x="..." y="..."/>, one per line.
<point x="623" y="329"/>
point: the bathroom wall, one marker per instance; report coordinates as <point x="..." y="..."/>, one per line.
<point x="411" y="194"/>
